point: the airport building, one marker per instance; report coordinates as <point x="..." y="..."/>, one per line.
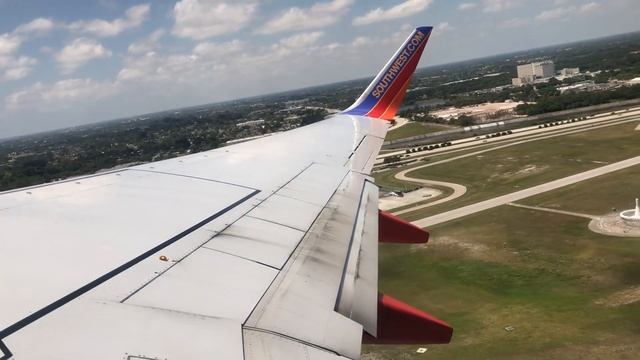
<point x="529" y="73"/>
<point x="570" y="71"/>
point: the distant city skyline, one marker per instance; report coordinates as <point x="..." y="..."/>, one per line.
<point x="77" y="62"/>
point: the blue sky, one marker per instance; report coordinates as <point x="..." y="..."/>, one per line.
<point x="71" y="62"/>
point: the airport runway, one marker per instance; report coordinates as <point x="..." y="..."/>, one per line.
<point x="519" y="195"/>
<point x="524" y="141"/>
<point x="459" y="190"/>
<point x="532" y="132"/>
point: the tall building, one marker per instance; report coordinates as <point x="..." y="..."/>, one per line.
<point x="545" y="69"/>
<point x="528" y="73"/>
<point x="525" y="71"/>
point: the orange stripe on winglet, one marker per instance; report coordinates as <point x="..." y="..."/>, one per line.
<point x="392" y="110"/>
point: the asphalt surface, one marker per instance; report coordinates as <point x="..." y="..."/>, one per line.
<point x="519" y="195"/>
<point x="556" y="211"/>
<point x="458" y="190"/>
<point x="528" y="132"/>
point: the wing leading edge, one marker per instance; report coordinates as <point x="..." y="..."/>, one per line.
<point x="271" y="250"/>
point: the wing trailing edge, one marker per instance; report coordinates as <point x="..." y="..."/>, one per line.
<point x="384" y="95"/>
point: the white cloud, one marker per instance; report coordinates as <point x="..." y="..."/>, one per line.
<point x="212" y="50"/>
<point x="15" y="68"/>
<point x="588" y="7"/>
<point x="202" y="19"/>
<point x="513" y="23"/>
<point x="317" y="16"/>
<point x="444" y="27"/>
<point x="221" y="62"/>
<point x="157" y="68"/>
<point x="498" y="5"/>
<point x="210" y="71"/>
<point x="147" y="44"/>
<point x="391" y="41"/>
<point x="302" y="40"/>
<point x="9" y="44"/>
<point x="134" y="17"/>
<point x="362" y="41"/>
<point x="62" y="94"/>
<point x="38" y="26"/>
<point x="12" y="66"/>
<point x="78" y="53"/>
<point x="567" y="12"/>
<point x="554" y="13"/>
<point x="467" y="6"/>
<point x="404" y="9"/>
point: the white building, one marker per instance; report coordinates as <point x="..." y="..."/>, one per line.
<point x="529" y="73"/>
<point x="570" y="71"/>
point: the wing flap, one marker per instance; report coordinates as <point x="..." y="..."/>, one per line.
<point x="261" y="345"/>
<point x="304" y="294"/>
<point x="358" y="295"/>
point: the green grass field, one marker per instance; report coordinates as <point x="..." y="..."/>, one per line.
<point x="506" y="170"/>
<point x="544" y="274"/>
<point x="414" y="129"/>
<point x="568" y="293"/>
<point x="596" y="196"/>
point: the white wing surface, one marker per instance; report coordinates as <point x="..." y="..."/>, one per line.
<point x="260" y="250"/>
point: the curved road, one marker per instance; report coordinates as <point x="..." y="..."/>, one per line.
<point x="458" y="190"/>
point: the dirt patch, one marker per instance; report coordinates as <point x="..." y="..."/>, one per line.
<point x="523" y="172"/>
<point x="623" y="297"/>
<point x="613" y="225"/>
<point x="472" y="248"/>
<point x="594" y="351"/>
<point x="373" y="356"/>
<point x="480" y="111"/>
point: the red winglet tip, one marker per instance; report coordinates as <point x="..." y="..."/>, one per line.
<point x="392" y="229"/>
<point x="403" y="324"/>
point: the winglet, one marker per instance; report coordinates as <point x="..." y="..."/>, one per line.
<point x="383" y="96"/>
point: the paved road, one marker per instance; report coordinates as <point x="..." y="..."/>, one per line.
<point x="528" y="132"/>
<point x="518" y="195"/>
<point x="400" y="122"/>
<point x="571" y="213"/>
<point x="526" y="140"/>
<point x="458" y="190"/>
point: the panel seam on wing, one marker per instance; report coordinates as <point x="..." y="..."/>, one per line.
<point x="287" y="337"/>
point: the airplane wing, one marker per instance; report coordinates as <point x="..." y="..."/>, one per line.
<point x="260" y="250"/>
